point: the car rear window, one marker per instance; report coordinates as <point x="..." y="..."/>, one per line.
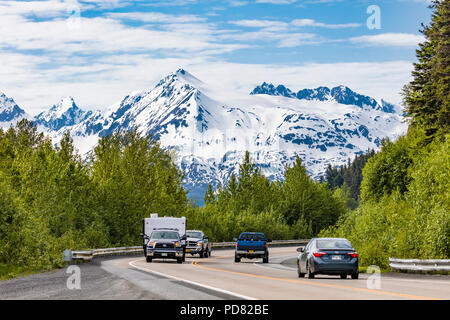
<point x="334" y="244"/>
<point x="252" y="237"/>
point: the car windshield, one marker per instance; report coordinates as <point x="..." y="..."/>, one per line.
<point x="334" y="244"/>
<point x="172" y="235"/>
<point x="252" y="237"/>
<point x="197" y="235"/>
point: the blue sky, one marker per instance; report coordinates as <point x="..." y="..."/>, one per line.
<point x="99" y="50"/>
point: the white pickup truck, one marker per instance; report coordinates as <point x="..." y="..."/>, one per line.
<point x="164" y="238"/>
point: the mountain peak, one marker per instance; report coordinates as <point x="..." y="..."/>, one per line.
<point x="64" y="113"/>
<point x="270" y="89"/>
<point x="181" y="75"/>
<point x="181" y="71"/>
<point x="9" y="110"/>
<point x="64" y="104"/>
<point x="341" y="89"/>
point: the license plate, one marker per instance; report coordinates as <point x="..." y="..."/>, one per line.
<point x="251" y="251"/>
<point x="163" y="254"/>
<point x="336" y="258"/>
<point x="188" y="250"/>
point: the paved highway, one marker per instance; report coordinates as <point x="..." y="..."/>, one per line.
<point x="251" y="279"/>
<point x="217" y="277"/>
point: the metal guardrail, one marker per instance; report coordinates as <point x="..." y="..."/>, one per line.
<point x="418" y="265"/>
<point x="275" y="243"/>
<point x="90" y="254"/>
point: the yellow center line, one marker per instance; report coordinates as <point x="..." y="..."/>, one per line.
<point x="406" y="295"/>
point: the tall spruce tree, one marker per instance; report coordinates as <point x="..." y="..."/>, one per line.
<point x="427" y="96"/>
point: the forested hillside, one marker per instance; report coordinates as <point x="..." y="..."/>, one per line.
<point x="294" y="208"/>
<point x="349" y="176"/>
<point x="51" y="200"/>
<point x="405" y="198"/>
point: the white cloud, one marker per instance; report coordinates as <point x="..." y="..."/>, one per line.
<point x="105" y="35"/>
<point x="170" y="3"/>
<point x="107" y="4"/>
<point x="260" y="23"/>
<point x="284" y="33"/>
<point x="283" y="39"/>
<point x="390" y="39"/>
<point x="155" y="17"/>
<point x="292" y="24"/>
<point x="313" y="23"/>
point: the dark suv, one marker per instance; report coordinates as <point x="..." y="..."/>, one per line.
<point x="333" y="256"/>
<point x="251" y="245"/>
<point x="165" y="244"/>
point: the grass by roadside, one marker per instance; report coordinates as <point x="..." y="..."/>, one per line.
<point x="8" y="271"/>
<point x="364" y="270"/>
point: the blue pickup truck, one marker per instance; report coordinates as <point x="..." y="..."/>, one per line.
<point x="251" y="245"/>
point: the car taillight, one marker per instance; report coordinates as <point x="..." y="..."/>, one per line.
<point x="265" y="245"/>
<point x="237" y="244"/>
<point x="353" y="254"/>
<point x="318" y="254"/>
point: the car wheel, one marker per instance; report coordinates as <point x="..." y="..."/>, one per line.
<point x="266" y="260"/>
<point x="148" y="259"/>
<point x="207" y="253"/>
<point x="355" y="275"/>
<point x="300" y="274"/>
<point x="201" y="254"/>
<point x="343" y="276"/>
<point x="309" y="274"/>
<point x="180" y="260"/>
<point x="236" y="259"/>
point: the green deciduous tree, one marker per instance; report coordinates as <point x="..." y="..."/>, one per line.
<point x="133" y="178"/>
<point x="51" y="200"/>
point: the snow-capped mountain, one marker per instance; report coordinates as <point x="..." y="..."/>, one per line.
<point x="60" y="117"/>
<point x="210" y="131"/>
<point x="340" y="94"/>
<point x="9" y="111"/>
<point x="63" y="114"/>
<point x="270" y="89"/>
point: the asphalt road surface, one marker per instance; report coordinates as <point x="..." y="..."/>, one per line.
<point x="219" y="277"/>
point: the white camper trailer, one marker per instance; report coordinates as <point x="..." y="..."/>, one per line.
<point x="155" y="222"/>
<point x="154" y="225"/>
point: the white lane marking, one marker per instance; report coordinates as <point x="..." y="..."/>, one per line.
<point x="131" y="263"/>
